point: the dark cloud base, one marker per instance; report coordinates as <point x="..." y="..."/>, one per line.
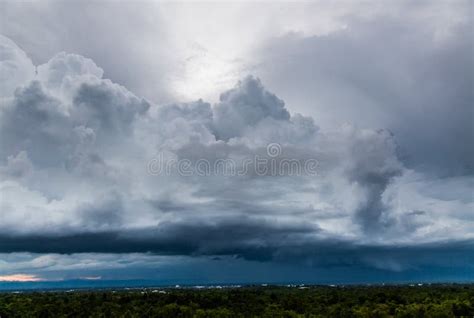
<point x="204" y="242"/>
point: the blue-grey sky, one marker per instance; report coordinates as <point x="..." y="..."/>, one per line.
<point x="155" y="141"/>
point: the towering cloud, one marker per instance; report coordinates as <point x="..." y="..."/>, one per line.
<point x="244" y="107"/>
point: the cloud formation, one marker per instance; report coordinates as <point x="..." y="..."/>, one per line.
<point x="75" y="179"/>
<point x="402" y="73"/>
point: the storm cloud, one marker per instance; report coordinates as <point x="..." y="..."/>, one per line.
<point x="390" y="128"/>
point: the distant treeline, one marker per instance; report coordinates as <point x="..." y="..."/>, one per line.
<point x="317" y="301"/>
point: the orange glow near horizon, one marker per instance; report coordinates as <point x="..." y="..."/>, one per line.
<point x="19" y="278"/>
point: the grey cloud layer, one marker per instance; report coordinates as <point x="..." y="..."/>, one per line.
<point x="74" y="177"/>
<point x="392" y="72"/>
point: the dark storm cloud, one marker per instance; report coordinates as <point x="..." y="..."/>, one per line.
<point x="76" y="150"/>
<point x="251" y="242"/>
<point x="243" y="237"/>
<point x="102" y="130"/>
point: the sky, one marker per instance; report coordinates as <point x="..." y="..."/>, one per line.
<point x="236" y="142"/>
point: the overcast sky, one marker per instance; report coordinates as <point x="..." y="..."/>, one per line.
<point x="373" y="101"/>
